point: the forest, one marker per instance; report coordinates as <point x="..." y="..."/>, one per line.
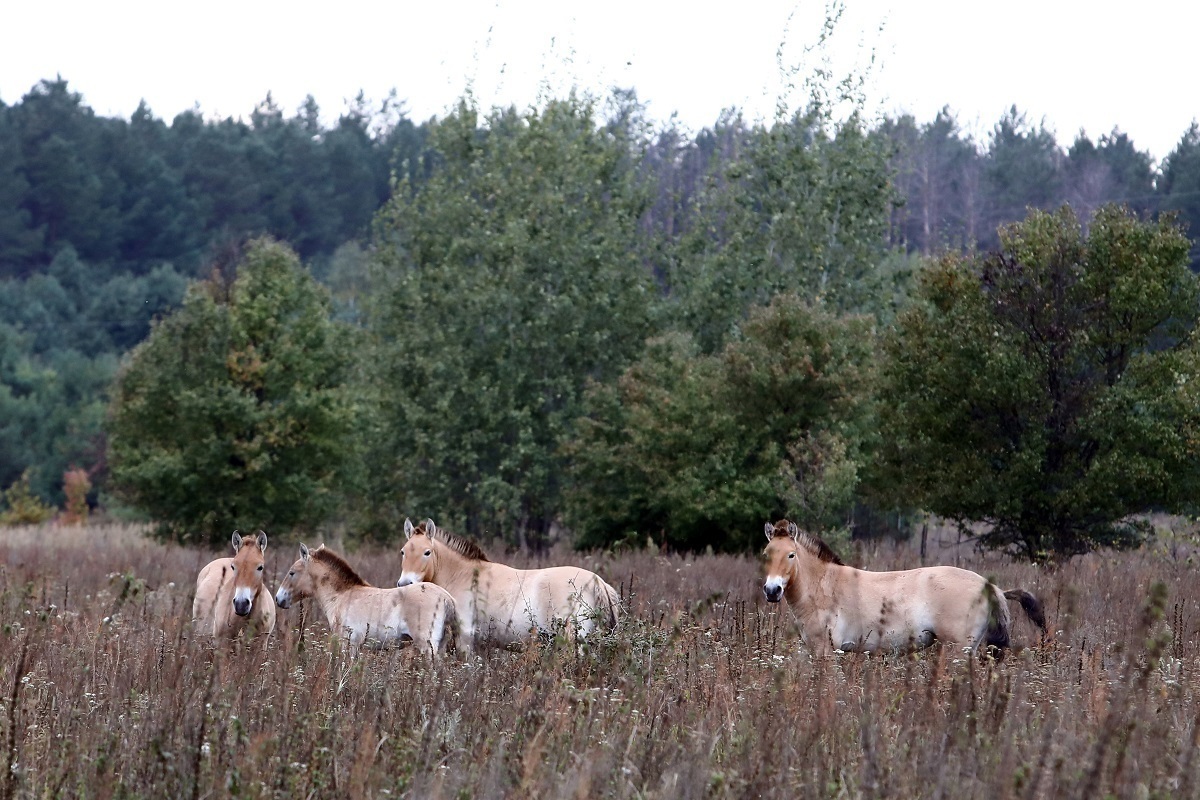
<point x="529" y="318"/>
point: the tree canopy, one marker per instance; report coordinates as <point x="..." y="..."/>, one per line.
<point x="1048" y="388"/>
<point x="238" y="411"/>
<point x="800" y="206"/>
<point x="697" y="450"/>
<point x="506" y="280"/>
<point x="523" y="256"/>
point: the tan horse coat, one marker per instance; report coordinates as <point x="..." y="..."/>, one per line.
<point x="358" y="611"/>
<point x="498" y="604"/>
<point x="231" y="597"/>
<point x="843" y="608"/>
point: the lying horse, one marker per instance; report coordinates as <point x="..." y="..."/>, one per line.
<point x="843" y="608"/>
<point x="359" y="611"/>
<point x="230" y="594"/>
<point x="498" y="604"/>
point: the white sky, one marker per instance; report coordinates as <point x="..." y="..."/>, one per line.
<point x="1068" y="64"/>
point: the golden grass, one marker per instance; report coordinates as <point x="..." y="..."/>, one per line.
<point x="703" y="691"/>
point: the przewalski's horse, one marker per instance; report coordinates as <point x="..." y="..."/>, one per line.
<point x="358" y="611"/>
<point x="230" y="594"/>
<point x="498" y="604"/>
<point x="843" y="608"/>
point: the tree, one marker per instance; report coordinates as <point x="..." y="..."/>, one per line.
<point x="238" y="410"/>
<point x="51" y="409"/>
<point x="1179" y="186"/>
<point x="20" y="241"/>
<point x="72" y="189"/>
<point x="1022" y="169"/>
<point x="1047" y="389"/>
<point x="697" y="450"/>
<point x="1110" y="170"/>
<point x="505" y="281"/>
<point x="937" y="175"/>
<point x="802" y="207"/>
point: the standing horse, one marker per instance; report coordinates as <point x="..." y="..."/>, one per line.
<point x="498" y="604"/>
<point x="843" y="608"/>
<point x="356" y="610"/>
<point x="230" y="594"/>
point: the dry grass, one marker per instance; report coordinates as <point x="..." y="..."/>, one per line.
<point x="702" y="692"/>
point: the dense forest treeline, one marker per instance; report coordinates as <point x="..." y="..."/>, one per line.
<point x="104" y="222"/>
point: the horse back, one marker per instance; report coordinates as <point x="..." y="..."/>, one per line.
<point x="575" y="591"/>
<point x="951" y="603"/>
<point x="423" y="598"/>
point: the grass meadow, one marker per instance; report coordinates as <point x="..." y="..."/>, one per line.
<point x="703" y="691"/>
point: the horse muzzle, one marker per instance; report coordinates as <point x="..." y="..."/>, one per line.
<point x="241" y="606"/>
<point x="407" y="579"/>
<point x="773" y="592"/>
<point x="283" y="599"/>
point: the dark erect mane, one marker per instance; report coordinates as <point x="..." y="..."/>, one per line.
<point x="345" y="574"/>
<point x="809" y="541"/>
<point x="467" y="548"/>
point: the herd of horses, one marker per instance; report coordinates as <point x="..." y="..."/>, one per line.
<point x="449" y="590"/>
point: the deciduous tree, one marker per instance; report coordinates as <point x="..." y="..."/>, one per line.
<point x="506" y="280"/>
<point x="238" y="410"/>
<point x="697" y="450"/>
<point x="802" y="207"/>
<point x="1048" y="389"/>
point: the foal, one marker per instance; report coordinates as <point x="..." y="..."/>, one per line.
<point x="356" y="610"/>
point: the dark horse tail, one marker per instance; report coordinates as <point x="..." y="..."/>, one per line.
<point x="614" y="605"/>
<point x="451" y="629"/>
<point x="999" y="619"/>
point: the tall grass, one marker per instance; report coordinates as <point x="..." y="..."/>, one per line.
<point x="703" y="691"/>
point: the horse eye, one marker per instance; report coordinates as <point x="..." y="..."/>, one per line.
<point x="233" y="567"/>
<point x="791" y="555"/>
<point x="428" y="553"/>
<point x="292" y="574"/>
<point x="260" y="566"/>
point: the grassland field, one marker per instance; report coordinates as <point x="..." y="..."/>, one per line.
<point x="703" y="691"/>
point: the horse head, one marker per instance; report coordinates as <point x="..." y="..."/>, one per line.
<point x="790" y="550"/>
<point x="418" y="557"/>
<point x="298" y="583"/>
<point x="780" y="557"/>
<point x="248" y="565"/>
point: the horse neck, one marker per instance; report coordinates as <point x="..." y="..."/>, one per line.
<point x="326" y="593"/>
<point x="455" y="571"/>
<point x="809" y="578"/>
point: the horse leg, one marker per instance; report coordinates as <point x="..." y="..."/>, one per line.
<point x="464" y="642"/>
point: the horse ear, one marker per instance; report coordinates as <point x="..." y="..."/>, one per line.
<point x="794" y="530"/>
<point x="430" y="528"/>
<point x="237" y="541"/>
<point x="262" y="541"/>
<point x="304" y="554"/>
<point x="408" y="528"/>
<point x="769" y="530"/>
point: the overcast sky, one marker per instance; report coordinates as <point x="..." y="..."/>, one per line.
<point x="1066" y="63"/>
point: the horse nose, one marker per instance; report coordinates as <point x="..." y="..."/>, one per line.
<point x="404" y="580"/>
<point x="241" y="606"/>
<point x="283" y="599"/>
<point x="773" y="593"/>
